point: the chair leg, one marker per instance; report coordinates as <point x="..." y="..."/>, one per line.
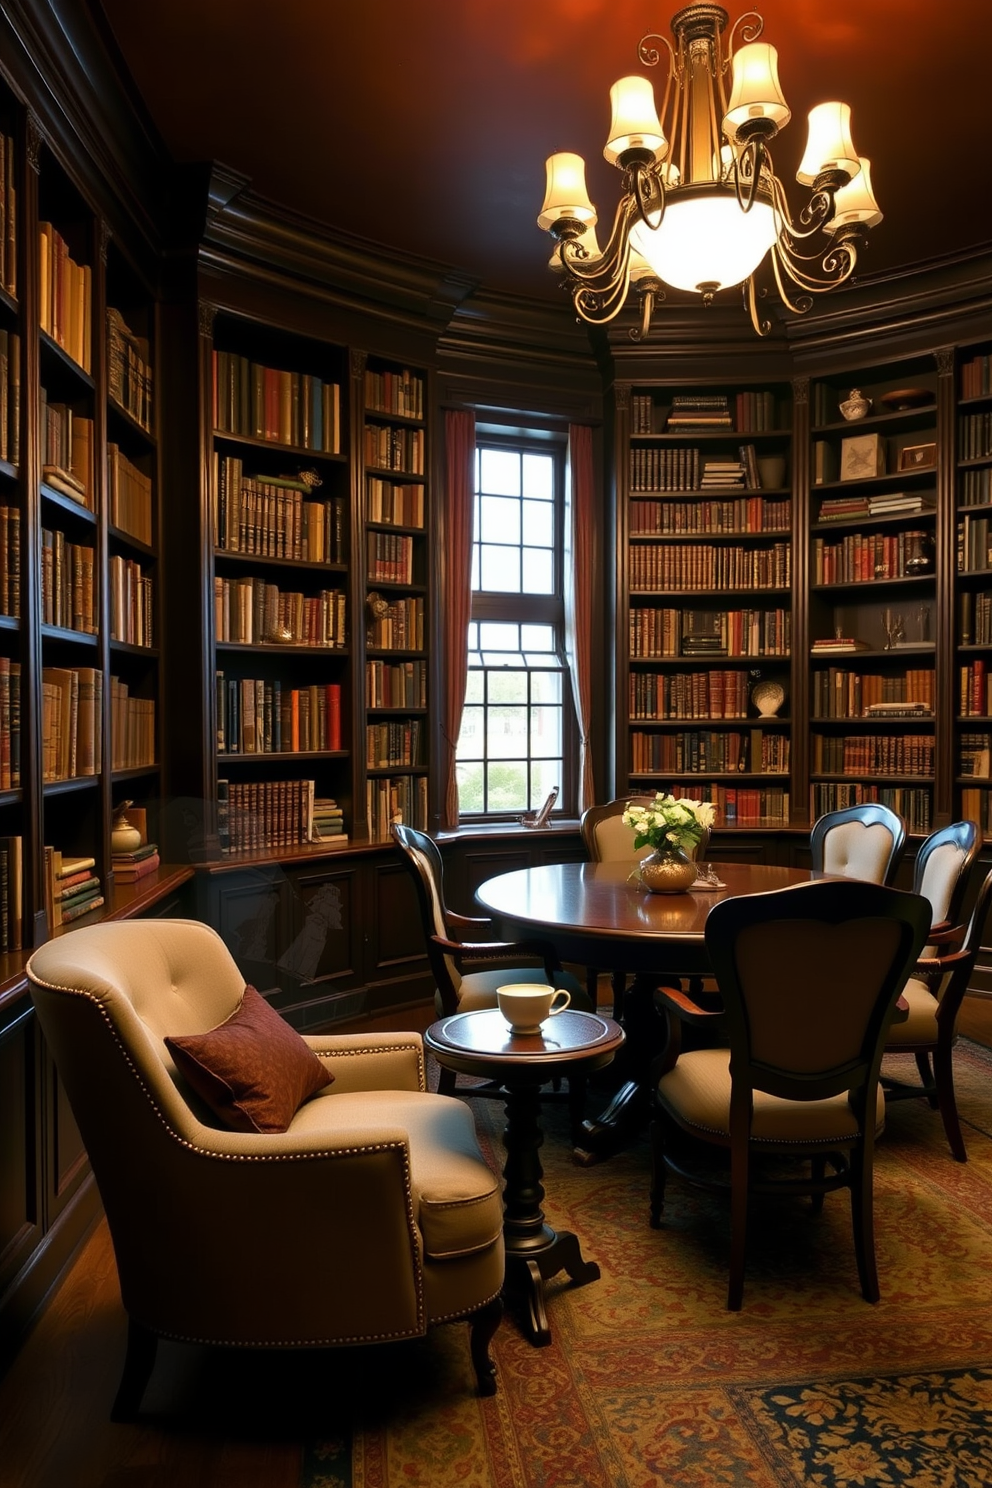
<point x="926" y="1074"/>
<point x="819" y="1171"/>
<point x="446" y="1082"/>
<point x="739" y="1181"/>
<point x="618" y="981"/>
<point x="482" y="1330"/>
<point x="139" y="1362"/>
<point x="944" y="1076"/>
<point x="863" y="1219"/>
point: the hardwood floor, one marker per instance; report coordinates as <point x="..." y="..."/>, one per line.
<point x="210" y="1419"/>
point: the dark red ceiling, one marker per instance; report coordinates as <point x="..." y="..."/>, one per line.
<point x="425" y="125"/>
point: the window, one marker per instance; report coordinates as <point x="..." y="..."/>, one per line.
<point x="517" y="735"/>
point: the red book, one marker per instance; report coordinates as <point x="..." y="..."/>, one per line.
<point x="334" y="715"/>
<point x="137" y="870"/>
<point x="978" y="687"/>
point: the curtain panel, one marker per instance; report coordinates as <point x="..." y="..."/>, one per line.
<point x="580" y="555"/>
<point x="456" y="593"/>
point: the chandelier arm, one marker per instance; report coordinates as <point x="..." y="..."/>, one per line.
<point x="750" y="25"/>
<point x="613" y="260"/>
<point x="651" y="200"/>
<point x="816" y="212"/>
<point x="762" y="327"/>
<point x="800" y="304"/>
<point x="748" y="166"/>
<point x="650" y="56"/>
<point x="837" y="265"/>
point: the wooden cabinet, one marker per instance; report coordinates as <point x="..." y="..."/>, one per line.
<point x="972" y="679"/>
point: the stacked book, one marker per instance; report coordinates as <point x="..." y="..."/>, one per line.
<point x="834" y="644"/>
<point x="723" y="474"/>
<point x="844" y="508"/>
<point x="328" y="821"/>
<point x="693" y="412"/>
<point x="130" y="866"/>
<point x="72" y="887"/>
<point x="901" y="501"/>
<point x="704" y="633"/>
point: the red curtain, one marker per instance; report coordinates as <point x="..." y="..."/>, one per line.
<point x="456" y="593"/>
<point x="579" y="578"/>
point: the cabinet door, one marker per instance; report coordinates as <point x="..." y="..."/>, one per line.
<point x="20" y="1226"/>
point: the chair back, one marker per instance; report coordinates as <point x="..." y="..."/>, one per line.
<point x="608" y="840"/>
<point x="809" y="977"/>
<point x="943" y="869"/>
<point x="952" y="986"/>
<point x="420" y="853"/>
<point x="864" y="842"/>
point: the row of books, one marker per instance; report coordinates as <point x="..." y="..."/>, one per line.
<point x="974" y="544"/>
<point x="398" y="627"/>
<point x="716" y="693"/>
<point x="688" y="469"/>
<point x="131" y="867"/>
<point x="129" y="369"/>
<point x="397" y="504"/>
<point x="976" y="486"/>
<point x="10" y="724"/>
<point x="892" y="503"/>
<point x="258" y="402"/>
<point x="976" y="381"/>
<point x="975" y="618"/>
<point x="10" y="560"/>
<point x="251" y="612"/>
<point x="66" y="297"/>
<point x="255" y="815"/>
<point x="131" y="602"/>
<point x="394" y="392"/>
<point x="702" y="411"/>
<point x="873" y="754"/>
<point x="745" y="514"/>
<point x="72" y="887"/>
<point x="67" y="594"/>
<point x="839" y="693"/>
<point x="396" y="684"/>
<point x="390" y="558"/>
<point x="975" y="752"/>
<point x="11" y="894"/>
<point x="389" y="448"/>
<point x="8" y="216"/>
<point x="67" y="451"/>
<point x="257" y="716"/>
<point x="274" y="516"/>
<point x="670" y="632"/>
<point x="975" y="436"/>
<point x="399" y="798"/>
<point x="863" y="556"/>
<point x="674" y="566"/>
<point x="736" y="806"/>
<point x="132" y="728"/>
<point x="129" y="496"/>
<point x="396" y="743"/>
<point x="976" y="806"/>
<point x="10" y="387"/>
<point x="71" y="722"/>
<point x="913" y="803"/>
<point x="753" y="751"/>
<point x="975" y="689"/>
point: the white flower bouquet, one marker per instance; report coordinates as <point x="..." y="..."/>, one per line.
<point x="670" y="822"/>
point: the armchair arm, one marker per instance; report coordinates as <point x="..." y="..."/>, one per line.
<point x="464" y="924"/>
<point x="679" y="1008"/>
<point x="372" y="1061"/>
<point x="500" y="950"/>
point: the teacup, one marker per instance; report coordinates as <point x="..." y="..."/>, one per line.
<point x="525" y="1005"/>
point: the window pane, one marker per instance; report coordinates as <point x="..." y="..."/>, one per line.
<point x="539" y="576"/>
<point x="499" y="472"/>
<point x="544" y="776"/>
<point x="500" y="570"/>
<point x="537" y="638"/>
<point x="499" y="520"/>
<point x="538" y="476"/>
<point x="470" y="782"/>
<point x="545" y="732"/>
<point x="539" y="524"/>
<point x="545" y="687"/>
<point x="506" y="734"/>
<point x="473" y="688"/>
<point x="508" y="787"/>
<point x="507" y="687"/>
<point x="496" y="635"/>
<point x="471" y="738"/>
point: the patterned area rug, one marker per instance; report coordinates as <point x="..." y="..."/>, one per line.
<point x="650" y="1380"/>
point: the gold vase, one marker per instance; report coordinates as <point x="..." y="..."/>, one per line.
<point x="667" y="870"/>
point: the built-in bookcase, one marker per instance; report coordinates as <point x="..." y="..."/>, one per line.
<point x="12" y="530"/>
<point x="704" y="480"/>
<point x="282" y="636"/>
<point x="973" y="515"/>
<point x="397" y="526"/>
<point x="873" y="589"/>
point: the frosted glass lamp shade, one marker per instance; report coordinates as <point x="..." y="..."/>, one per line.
<point x="828" y="144"/>
<point x="566" y="195"/>
<point x="856" y="202"/>
<point x="756" y="93"/>
<point x="635" y="120"/>
<point x="706" y="240"/>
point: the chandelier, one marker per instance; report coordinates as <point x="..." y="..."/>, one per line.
<point x="701" y="206"/>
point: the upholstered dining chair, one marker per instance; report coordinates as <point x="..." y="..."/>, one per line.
<point x="935" y="991"/>
<point x="262" y="1189"/>
<point x="864" y="841"/>
<point x="454" y="942"/>
<point x="800" y="1076"/>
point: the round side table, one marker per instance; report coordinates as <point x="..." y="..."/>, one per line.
<point x="480" y="1043"/>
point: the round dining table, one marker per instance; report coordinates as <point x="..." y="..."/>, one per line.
<point x="599" y="915"/>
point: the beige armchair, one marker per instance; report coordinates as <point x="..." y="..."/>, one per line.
<point x="371" y="1217"/>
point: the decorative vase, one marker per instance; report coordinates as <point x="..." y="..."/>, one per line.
<point x="855" y="406"/>
<point x="667" y="870"/>
<point x="124" y="836"/>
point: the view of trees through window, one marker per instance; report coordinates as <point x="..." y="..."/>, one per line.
<point x="511" y="749"/>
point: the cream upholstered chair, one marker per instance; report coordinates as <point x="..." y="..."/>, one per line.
<point x="801" y="1074"/>
<point x="864" y="841"/>
<point x="372" y="1217"/>
<point x="935" y="992"/>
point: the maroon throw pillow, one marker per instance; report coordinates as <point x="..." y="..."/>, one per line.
<point x="254" y="1071"/>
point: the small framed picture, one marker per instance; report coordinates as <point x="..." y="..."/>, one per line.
<point x="862" y="456"/>
<point x="917" y="457"/>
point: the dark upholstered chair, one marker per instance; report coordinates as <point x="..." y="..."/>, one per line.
<point x="454" y="943"/>
<point x="865" y="842"/>
<point x="372" y="1216"/>
<point x="810" y="978"/>
<point x="934" y="994"/>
